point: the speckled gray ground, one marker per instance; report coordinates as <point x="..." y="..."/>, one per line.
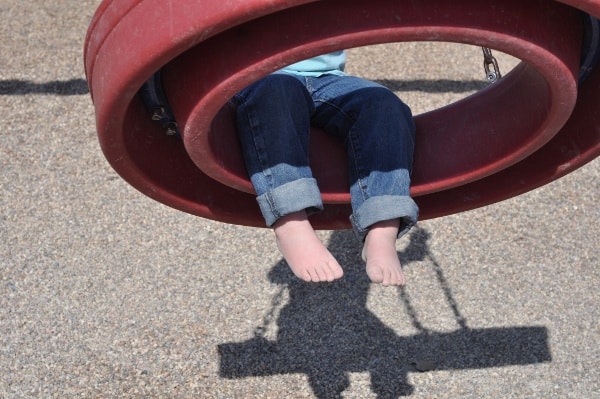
<point x="107" y="294"/>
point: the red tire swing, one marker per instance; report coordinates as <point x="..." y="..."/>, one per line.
<point x="531" y="127"/>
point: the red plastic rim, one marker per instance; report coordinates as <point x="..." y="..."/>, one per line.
<point x="504" y="124"/>
<point x="209" y="51"/>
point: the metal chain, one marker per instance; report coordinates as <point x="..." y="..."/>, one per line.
<point x="490" y="61"/>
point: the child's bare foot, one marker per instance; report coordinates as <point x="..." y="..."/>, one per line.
<point x="303" y="250"/>
<point x="379" y="251"/>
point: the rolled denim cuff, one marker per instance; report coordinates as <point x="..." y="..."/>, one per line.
<point x="386" y="207"/>
<point x="301" y="194"/>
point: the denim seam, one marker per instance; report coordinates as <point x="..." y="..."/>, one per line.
<point x="355" y="148"/>
<point x="308" y="84"/>
<point x="271" y="202"/>
<point x="261" y="155"/>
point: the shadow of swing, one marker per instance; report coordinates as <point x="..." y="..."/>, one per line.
<point x="326" y="331"/>
<point x="76" y="86"/>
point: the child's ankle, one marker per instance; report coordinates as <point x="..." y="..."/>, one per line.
<point x="386" y="229"/>
<point x="391" y="223"/>
<point x="290" y="220"/>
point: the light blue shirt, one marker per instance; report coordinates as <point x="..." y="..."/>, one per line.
<point x="332" y="63"/>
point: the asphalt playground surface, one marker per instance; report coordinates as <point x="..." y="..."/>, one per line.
<point x="105" y="293"/>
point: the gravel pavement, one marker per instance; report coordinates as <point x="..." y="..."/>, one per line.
<point x="105" y="293"/>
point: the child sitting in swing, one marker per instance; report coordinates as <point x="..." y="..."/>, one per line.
<point x="274" y="116"/>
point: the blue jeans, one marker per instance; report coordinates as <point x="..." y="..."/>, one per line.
<point x="274" y="116"/>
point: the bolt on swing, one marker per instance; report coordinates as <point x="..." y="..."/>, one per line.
<point x="490" y="65"/>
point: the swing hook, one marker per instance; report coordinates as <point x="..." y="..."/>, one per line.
<point x="489" y="60"/>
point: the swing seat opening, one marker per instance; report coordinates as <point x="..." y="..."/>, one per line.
<point x="532" y="126"/>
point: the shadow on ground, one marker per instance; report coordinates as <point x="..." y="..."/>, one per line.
<point x="326" y="331"/>
<point x="71" y="87"/>
<point x="79" y="86"/>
